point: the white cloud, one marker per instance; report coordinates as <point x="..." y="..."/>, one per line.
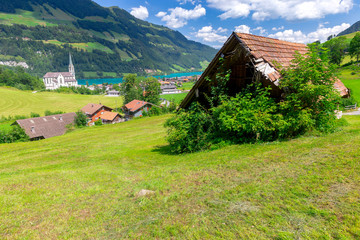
<point x="187" y="1"/>
<point x="209" y="34"/>
<point x="178" y="17"/>
<point x="242" y="29"/>
<point x="247" y="29"/>
<point x="261" y="30"/>
<point x="320" y="34"/>
<point x="278" y="29"/>
<point x="140" y="12"/>
<point x="289" y="10"/>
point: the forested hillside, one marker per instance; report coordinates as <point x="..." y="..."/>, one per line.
<point x="43" y="32"/>
<point x="353" y="28"/>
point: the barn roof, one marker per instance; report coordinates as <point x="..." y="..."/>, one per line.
<point x="266" y="55"/>
<point x="48" y="126"/>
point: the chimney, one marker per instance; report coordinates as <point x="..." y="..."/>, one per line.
<point x="60" y="118"/>
<point x="32" y="129"/>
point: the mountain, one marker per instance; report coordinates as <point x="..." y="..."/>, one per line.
<point x="353" y="28"/>
<point x="103" y="41"/>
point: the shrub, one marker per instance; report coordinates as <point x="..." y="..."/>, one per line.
<point x="80" y="119"/>
<point x="98" y="122"/>
<point x="309" y="103"/>
<point x="190" y="131"/>
<point x="48" y="112"/>
<point x="16" y="134"/>
<point x="33" y="115"/>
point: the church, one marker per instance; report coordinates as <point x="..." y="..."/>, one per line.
<point x="54" y="80"/>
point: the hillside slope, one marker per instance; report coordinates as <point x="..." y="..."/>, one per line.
<point x="353" y="28"/>
<point x="42" y="33"/>
<point x="15" y="102"/>
<point x="84" y="185"/>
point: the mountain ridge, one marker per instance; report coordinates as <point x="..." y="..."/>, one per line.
<point x="123" y="42"/>
<point x="353" y="28"/>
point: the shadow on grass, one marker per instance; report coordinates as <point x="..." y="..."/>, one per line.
<point x="164" y="150"/>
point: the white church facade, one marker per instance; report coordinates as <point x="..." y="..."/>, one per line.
<point x="54" y="80"/>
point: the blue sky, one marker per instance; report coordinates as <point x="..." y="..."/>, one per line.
<point x="212" y="21"/>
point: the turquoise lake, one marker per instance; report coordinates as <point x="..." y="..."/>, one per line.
<point x="119" y="80"/>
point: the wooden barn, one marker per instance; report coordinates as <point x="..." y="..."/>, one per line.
<point x="250" y="58"/>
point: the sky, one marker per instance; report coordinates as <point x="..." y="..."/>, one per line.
<point x="212" y="21"/>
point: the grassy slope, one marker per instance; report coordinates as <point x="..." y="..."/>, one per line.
<point x="177" y="97"/>
<point x="84" y="185"/>
<point x="16" y="102"/>
<point x="351" y="81"/>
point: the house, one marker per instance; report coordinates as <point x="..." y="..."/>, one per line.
<point x="94" y="111"/>
<point x="169" y="88"/>
<point x="250" y="58"/>
<point x="113" y="93"/>
<point x="46" y="127"/>
<point x="111" y="118"/>
<point x="54" y="80"/>
<point x="135" y="108"/>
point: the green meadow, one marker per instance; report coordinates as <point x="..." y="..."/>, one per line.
<point x="15" y="102"/>
<point x="176" y="97"/>
<point x="85" y="184"/>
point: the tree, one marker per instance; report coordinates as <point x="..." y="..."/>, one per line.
<point x="80" y="119"/>
<point x="309" y="88"/>
<point x="336" y="47"/>
<point x="151" y="90"/>
<point x="130" y="88"/>
<point x="354" y="48"/>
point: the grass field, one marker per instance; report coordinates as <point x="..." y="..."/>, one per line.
<point x="177" y="97"/>
<point x="95" y="75"/>
<point x="16" y="102"/>
<point x="351" y="79"/>
<point x="90" y="46"/>
<point x="84" y="185"/>
<point x="22" y="17"/>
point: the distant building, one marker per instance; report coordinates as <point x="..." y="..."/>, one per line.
<point x="46" y="127"/>
<point x="54" y="80"/>
<point x="135" y="108"/>
<point x="169" y="88"/>
<point x="113" y="93"/>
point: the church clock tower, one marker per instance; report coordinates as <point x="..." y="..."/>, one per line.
<point x="71" y="66"/>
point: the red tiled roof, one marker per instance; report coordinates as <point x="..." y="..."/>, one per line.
<point x="92" y="108"/>
<point x="135" y="105"/>
<point x="109" y="116"/>
<point x="272" y="50"/>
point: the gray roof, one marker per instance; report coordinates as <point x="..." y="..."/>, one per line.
<point x="48" y="126"/>
<point x="64" y="74"/>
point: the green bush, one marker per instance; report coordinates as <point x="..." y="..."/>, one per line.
<point x="16" y="134"/>
<point x="80" y="119"/>
<point x="308" y="103"/>
<point x="33" y="115"/>
<point x="98" y="122"/>
<point x="190" y="131"/>
<point x="48" y="112"/>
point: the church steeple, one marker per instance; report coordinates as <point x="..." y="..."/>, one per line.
<point x="71" y="66"/>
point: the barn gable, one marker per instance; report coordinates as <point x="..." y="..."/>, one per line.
<point x="250" y="58"/>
